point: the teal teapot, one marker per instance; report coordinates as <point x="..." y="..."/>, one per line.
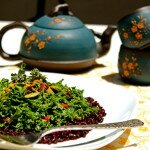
<point x="59" y="41"/>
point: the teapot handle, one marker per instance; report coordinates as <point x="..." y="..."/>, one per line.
<point x="4" y="54"/>
<point x="104" y="45"/>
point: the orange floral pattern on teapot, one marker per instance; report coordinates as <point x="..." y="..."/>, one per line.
<point x="32" y="39"/>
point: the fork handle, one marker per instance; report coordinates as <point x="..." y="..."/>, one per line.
<point x="116" y="125"/>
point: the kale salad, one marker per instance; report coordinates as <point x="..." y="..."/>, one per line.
<point x="30" y="103"/>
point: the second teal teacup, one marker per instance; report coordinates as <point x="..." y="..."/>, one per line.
<point x="134" y="65"/>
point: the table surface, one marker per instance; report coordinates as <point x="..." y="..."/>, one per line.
<point x="136" y="139"/>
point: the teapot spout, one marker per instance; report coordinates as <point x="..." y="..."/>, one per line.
<point x="104" y="45"/>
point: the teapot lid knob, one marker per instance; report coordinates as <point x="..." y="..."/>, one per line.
<point x="59" y="18"/>
<point x="61" y="9"/>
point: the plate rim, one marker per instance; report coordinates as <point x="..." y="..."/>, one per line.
<point x="72" y="76"/>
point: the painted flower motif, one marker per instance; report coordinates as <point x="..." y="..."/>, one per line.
<point x="126" y="73"/>
<point x="32" y="37"/>
<point x="138" y="36"/>
<point x="130" y="67"/>
<point x="32" y="40"/>
<point x="140" y="25"/>
<point x="124" y="65"/>
<point x="27" y="42"/>
<point x="134" y="29"/>
<point x="49" y="38"/>
<point x="41" y="44"/>
<point x="125" y="35"/>
<point x="58" y="36"/>
<point x="135" y="42"/>
<point x="57" y="20"/>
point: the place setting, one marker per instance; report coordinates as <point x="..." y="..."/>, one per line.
<point x="55" y="94"/>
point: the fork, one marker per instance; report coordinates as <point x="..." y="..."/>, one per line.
<point x="28" y="139"/>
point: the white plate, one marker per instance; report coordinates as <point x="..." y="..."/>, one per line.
<point x="119" y="103"/>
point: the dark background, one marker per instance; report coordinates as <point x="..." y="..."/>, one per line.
<point x="89" y="11"/>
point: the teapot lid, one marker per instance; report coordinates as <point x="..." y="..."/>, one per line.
<point x="59" y="22"/>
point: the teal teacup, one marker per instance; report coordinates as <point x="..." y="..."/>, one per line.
<point x="134" y="65"/>
<point x="134" y="29"/>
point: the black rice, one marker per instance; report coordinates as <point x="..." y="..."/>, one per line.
<point x="61" y="136"/>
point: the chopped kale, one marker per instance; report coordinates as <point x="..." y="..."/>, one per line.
<point x="32" y="103"/>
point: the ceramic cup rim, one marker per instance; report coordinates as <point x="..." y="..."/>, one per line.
<point x="146" y="50"/>
<point x="138" y="10"/>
